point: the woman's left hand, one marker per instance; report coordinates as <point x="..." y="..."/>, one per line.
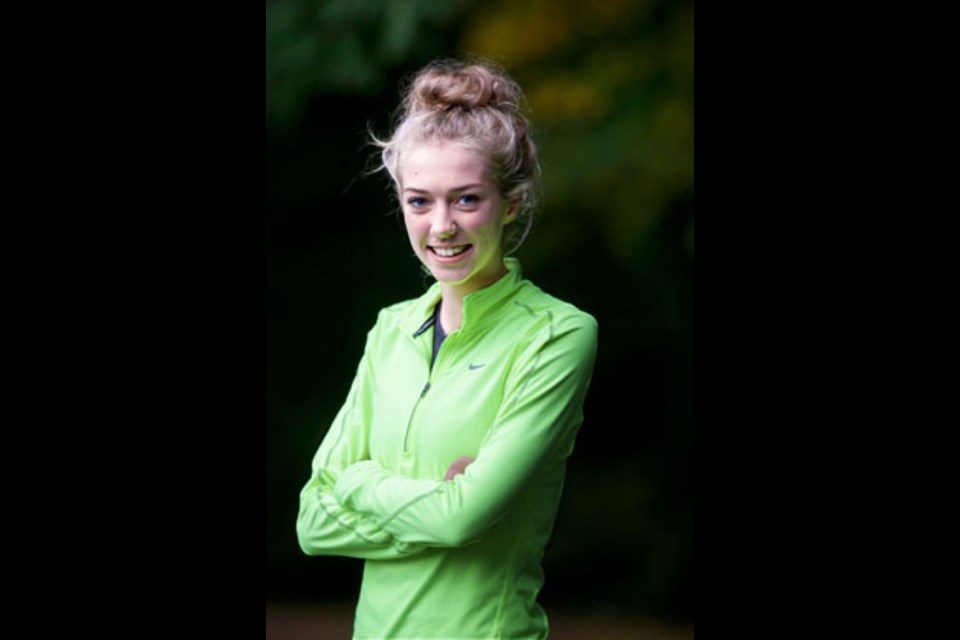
<point x="457" y="467"/>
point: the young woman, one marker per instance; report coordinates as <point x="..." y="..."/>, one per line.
<point x="444" y="467"/>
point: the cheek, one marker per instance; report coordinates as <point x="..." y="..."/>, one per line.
<point x="496" y="226"/>
<point x="413" y="227"/>
<point x="409" y="222"/>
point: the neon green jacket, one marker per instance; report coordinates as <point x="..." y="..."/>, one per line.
<point x="458" y="558"/>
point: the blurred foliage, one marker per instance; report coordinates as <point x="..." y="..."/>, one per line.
<point x="333" y="46"/>
<point x="610" y="93"/>
<point x="610" y="87"/>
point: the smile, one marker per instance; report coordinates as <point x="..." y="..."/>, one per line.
<point x="449" y="252"/>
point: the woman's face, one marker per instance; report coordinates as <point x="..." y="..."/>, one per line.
<point x="454" y="214"/>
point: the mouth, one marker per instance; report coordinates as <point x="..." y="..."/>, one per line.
<point x="451" y="252"/>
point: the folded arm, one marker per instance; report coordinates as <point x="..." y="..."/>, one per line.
<point x="541" y="412"/>
<point x="324" y="525"/>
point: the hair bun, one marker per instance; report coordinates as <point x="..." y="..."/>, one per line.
<point x="470" y="86"/>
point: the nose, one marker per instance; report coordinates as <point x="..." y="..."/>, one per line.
<point x="442" y="224"/>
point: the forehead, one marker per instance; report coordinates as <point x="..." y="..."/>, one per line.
<point x="438" y="166"/>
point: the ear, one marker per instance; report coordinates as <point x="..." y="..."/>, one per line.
<point x="510" y="213"/>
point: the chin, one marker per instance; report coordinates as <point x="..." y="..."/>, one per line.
<point x="449" y="273"/>
<point x="450" y="276"/>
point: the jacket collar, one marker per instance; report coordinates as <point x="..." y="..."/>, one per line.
<point x="477" y="305"/>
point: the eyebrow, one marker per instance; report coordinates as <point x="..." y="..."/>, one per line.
<point x="455" y="190"/>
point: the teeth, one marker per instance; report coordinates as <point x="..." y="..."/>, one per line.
<point x="447" y="252"/>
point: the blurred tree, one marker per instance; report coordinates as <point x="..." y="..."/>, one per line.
<point x="610" y="87"/>
<point x="317" y="47"/>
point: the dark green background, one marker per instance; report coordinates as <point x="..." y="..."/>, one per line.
<point x="611" y="97"/>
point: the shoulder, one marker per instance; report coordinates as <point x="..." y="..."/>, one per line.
<point x="539" y="318"/>
<point x="549" y="312"/>
<point x="396" y="311"/>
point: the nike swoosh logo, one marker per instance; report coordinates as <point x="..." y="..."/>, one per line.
<point x="472" y="366"/>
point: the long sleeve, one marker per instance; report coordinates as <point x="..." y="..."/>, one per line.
<point x="324" y="525"/>
<point x="538" y="419"/>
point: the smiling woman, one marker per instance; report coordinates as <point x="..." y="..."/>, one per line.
<point x="445" y="465"/>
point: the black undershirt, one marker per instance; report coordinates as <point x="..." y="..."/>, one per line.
<point x="438" y="334"/>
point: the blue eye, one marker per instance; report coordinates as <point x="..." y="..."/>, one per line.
<point x="417" y="202"/>
<point x="469" y="199"/>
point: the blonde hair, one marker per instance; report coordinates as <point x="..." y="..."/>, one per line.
<point x="478" y="105"/>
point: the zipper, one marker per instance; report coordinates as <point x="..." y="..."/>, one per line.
<point x="426" y="386"/>
<point x="413" y="412"/>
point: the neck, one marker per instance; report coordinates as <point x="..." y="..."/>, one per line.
<point x="451" y="311"/>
